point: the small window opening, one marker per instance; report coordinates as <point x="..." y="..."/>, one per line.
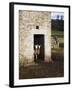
<point x="37" y="27"/>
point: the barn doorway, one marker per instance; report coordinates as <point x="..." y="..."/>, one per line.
<point x="38" y="47"/>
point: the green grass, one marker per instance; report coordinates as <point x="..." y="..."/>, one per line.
<point x="57" y="33"/>
<point x="60" y="35"/>
<point x="61" y="40"/>
<point x="57" y="49"/>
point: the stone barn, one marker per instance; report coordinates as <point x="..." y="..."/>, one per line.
<point x="34" y="37"/>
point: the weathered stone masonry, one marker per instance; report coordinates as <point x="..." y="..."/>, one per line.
<point x="28" y="20"/>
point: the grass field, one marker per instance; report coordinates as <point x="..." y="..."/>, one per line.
<point x="56" y="49"/>
<point x="60" y="36"/>
<point x="56" y="32"/>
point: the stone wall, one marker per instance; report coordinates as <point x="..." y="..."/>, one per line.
<point x="28" y="20"/>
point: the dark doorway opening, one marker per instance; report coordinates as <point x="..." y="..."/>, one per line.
<point x="38" y="47"/>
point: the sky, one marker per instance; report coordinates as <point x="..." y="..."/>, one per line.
<point x="55" y="15"/>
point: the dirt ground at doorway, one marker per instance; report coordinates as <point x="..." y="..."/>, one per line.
<point x="44" y="70"/>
